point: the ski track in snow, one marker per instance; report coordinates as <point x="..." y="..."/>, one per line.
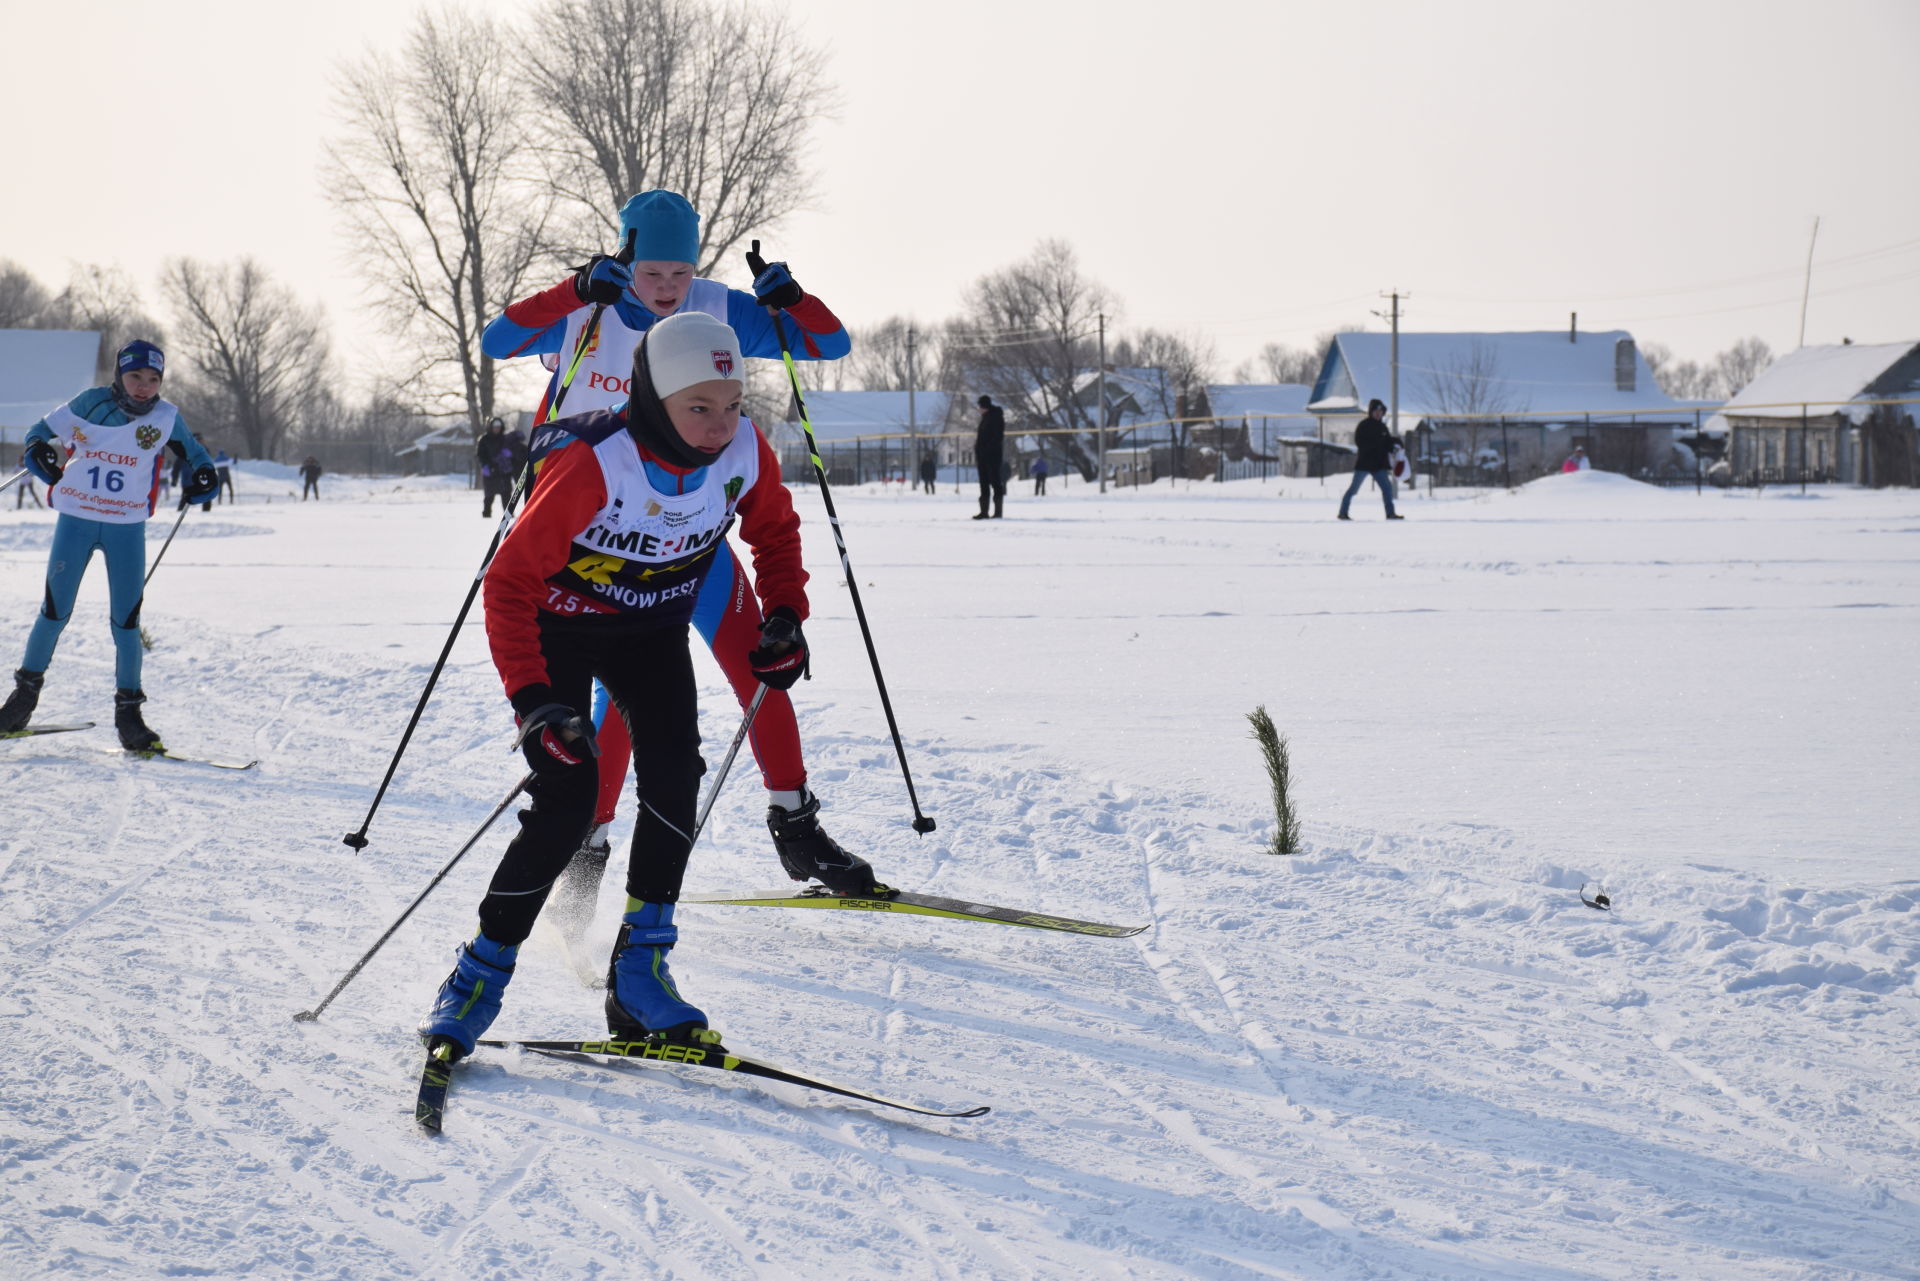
<point x="1408" y="1052"/>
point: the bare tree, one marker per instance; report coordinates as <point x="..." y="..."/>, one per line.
<point x="712" y="101"/>
<point x="1180" y="369"/>
<point x="435" y="174"/>
<point x="105" y="300"/>
<point x="880" y="360"/>
<point x="1026" y="336"/>
<point x="1465" y="388"/>
<point x="1279" y="363"/>
<point x="258" y="355"/>
<point x="1740" y="364"/>
<point x="23" y="299"/>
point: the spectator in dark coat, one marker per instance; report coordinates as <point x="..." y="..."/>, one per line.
<point x="989" y="457"/>
<point x="494" y="453"/>
<point x="310" y="477"/>
<point x="1372" y="443"/>
<point x="929" y="471"/>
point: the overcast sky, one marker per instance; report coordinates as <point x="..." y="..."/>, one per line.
<point x="1243" y="172"/>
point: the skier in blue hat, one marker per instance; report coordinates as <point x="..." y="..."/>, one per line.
<point x="101" y="453"/>
<point x="658" y="284"/>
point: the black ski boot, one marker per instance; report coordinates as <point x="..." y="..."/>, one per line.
<point x="18" y="709"/>
<point x="134" y="734"/>
<point x="808" y="853"/>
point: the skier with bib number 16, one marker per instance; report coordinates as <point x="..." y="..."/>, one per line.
<point x="102" y="454"/>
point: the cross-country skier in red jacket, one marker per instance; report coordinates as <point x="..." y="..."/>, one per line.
<point x="598" y="580"/>
<point x="660" y="283"/>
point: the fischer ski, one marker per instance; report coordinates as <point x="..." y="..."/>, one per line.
<point x="714" y="1056"/>
<point x="31" y="730"/>
<point x="435" y="1077"/>
<point x="164" y="755"/>
<point x="910" y="904"/>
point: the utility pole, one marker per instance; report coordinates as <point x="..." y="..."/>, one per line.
<point x="1393" y="367"/>
<point x="913" y="421"/>
<point x="1807" y="290"/>
<point x="1100" y="434"/>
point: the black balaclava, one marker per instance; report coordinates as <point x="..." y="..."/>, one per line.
<point x="647" y="417"/>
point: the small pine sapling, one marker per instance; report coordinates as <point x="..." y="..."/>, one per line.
<point x="1273" y="746"/>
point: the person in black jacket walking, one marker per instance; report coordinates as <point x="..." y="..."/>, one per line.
<point x="1372" y="444"/>
<point x="989" y="456"/>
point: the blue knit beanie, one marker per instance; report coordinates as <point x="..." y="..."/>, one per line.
<point x="665" y="227"/>
<point x="139" y="354"/>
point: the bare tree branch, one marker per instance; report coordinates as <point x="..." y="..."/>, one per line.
<point x="714" y="102"/>
<point x="438" y="179"/>
<point x="257" y="354"/>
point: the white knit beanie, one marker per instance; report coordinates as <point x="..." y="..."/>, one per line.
<point x="692" y="347"/>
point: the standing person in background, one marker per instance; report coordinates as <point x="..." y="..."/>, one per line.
<point x="1577" y="460"/>
<point x="989" y="445"/>
<point x="929" y="471"/>
<point x="101" y="453"/>
<point x="1039" y="471"/>
<point x="493" y="453"/>
<point x="223" y="468"/>
<point x="1373" y="445"/>
<point x="657" y="286"/>
<point x="310" y="478"/>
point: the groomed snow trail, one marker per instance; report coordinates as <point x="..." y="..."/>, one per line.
<point x="1409" y="1052"/>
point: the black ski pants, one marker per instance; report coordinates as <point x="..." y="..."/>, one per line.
<point x="649" y="680"/>
<point x="993" y="481"/>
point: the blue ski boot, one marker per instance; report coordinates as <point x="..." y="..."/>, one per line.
<point x="470" y="998"/>
<point x="642" y="1002"/>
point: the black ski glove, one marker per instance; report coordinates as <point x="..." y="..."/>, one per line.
<point x="773" y="284"/>
<point x="553" y="737"/>
<point x="43" y="460"/>
<point x="202" y="486"/>
<point x="783" y="657"/>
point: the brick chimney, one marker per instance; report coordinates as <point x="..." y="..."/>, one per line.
<point x="1625" y="366"/>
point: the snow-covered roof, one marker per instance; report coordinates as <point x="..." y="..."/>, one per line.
<point x="1819" y="378"/>
<point x="1269" y="400"/>
<point x="42" y="368"/>
<point x="452" y="434"/>
<point x="1537" y="372"/>
<point x="843" y="415"/>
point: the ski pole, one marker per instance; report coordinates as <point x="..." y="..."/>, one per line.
<point x="308" y="1016"/>
<point x="14" y="479"/>
<point x="713" y="793"/>
<point x="921" y="822"/>
<point x="358" y="839"/>
<point x="163" y="550"/>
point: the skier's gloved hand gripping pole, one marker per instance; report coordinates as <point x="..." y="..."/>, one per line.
<point x="778" y="286"/>
<point x="358" y="840"/>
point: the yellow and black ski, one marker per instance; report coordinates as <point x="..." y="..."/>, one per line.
<point x="905" y="903"/>
<point x="716" y="1056"/>
<point x="435" y="1077"/>
<point x="32" y="730"/>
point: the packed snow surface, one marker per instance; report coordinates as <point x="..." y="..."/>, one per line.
<point x="1407" y="1052"/>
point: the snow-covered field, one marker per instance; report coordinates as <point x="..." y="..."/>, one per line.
<point x="1409" y="1052"/>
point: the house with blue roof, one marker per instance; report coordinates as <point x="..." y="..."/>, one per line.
<point x="1502" y="408"/>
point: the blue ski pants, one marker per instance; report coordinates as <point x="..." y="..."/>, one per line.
<point x="75" y="538"/>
